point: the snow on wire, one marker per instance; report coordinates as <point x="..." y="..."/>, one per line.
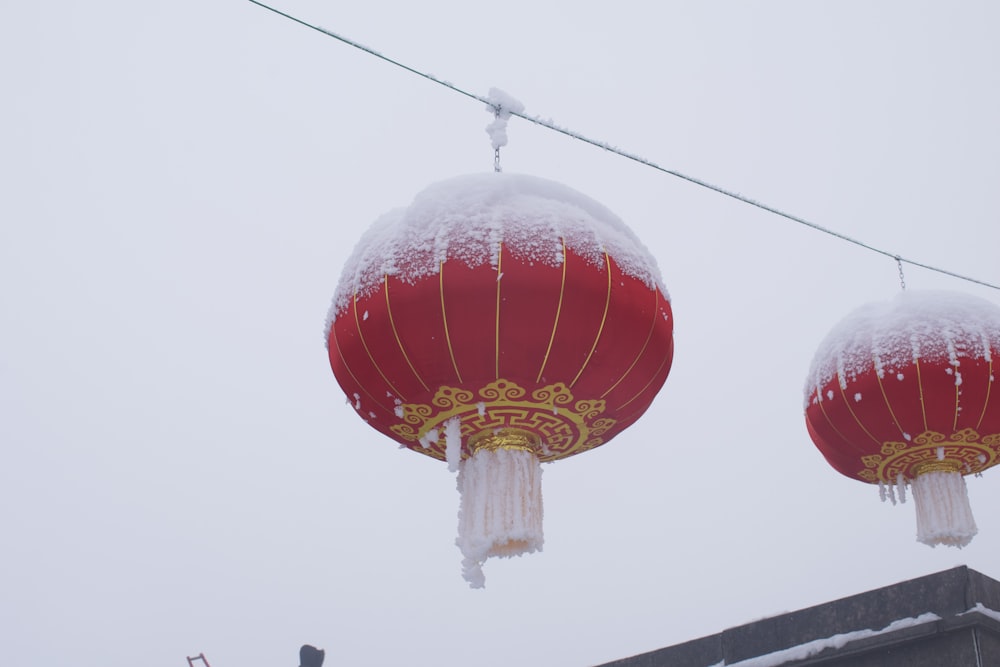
<point x="505" y="111"/>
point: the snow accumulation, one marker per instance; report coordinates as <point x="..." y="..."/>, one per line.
<point x="500" y="515"/>
<point x="502" y="104"/>
<point x="944" y="514"/>
<point x="453" y="443"/>
<point x="927" y="325"/>
<point x="468" y="217"/>
<point x="803" y="651"/>
<point x="984" y="610"/>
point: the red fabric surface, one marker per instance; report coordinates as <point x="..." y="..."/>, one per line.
<point x="529" y="324"/>
<point x="893" y="413"/>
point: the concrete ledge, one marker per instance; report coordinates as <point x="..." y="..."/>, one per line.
<point x="886" y="627"/>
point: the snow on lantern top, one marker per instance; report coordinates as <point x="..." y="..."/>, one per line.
<point x="931" y="326"/>
<point x="468" y="217"/>
<point x="901" y="394"/>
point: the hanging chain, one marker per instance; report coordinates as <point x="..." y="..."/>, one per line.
<point x="496" y="151"/>
<point x="902" y="279"/>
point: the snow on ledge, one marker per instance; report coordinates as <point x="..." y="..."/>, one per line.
<point x="985" y="611"/>
<point x="803" y="651"/>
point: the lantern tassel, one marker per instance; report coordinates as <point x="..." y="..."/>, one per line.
<point x="501" y="506"/>
<point x="944" y="515"/>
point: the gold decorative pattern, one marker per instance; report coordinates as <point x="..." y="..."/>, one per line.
<point x="562" y="424"/>
<point x="966" y="452"/>
<point x="507" y="438"/>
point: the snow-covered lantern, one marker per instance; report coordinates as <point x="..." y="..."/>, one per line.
<point x="904" y="393"/>
<point x="498" y="322"/>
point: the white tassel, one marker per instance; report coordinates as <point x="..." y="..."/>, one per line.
<point x="944" y="515"/>
<point x="501" y="507"/>
<point x="452" y="442"/>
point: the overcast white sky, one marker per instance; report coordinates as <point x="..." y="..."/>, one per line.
<point x="182" y="182"/>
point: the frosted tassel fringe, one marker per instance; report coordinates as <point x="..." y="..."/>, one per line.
<point x="501" y="508"/>
<point x="944" y="515"/>
<point x="452" y="443"/>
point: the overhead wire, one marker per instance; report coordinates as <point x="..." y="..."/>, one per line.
<point x="498" y="108"/>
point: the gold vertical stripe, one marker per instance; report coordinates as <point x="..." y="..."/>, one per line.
<point x="357" y="323"/>
<point x="829" y="421"/>
<point x="444" y="320"/>
<point x="649" y="336"/>
<point x="496" y="340"/>
<point x="555" y="322"/>
<point x="651" y="380"/>
<point x="343" y="359"/>
<point x="920" y="385"/>
<point x="886" y="398"/>
<point x="847" y="404"/>
<point x="989" y="386"/>
<point x="604" y="317"/>
<point x="958" y="393"/>
<point x="395" y="333"/>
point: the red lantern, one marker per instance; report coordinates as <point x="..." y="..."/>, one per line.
<point x="498" y="322"/>
<point x="904" y="394"/>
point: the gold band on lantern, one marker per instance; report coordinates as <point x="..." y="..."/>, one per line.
<point x="965" y="452"/>
<point x="550" y="415"/>
<point x="505" y="438"/>
<point x="937" y="466"/>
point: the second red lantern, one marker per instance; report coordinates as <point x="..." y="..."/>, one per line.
<point x="904" y="394"/>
